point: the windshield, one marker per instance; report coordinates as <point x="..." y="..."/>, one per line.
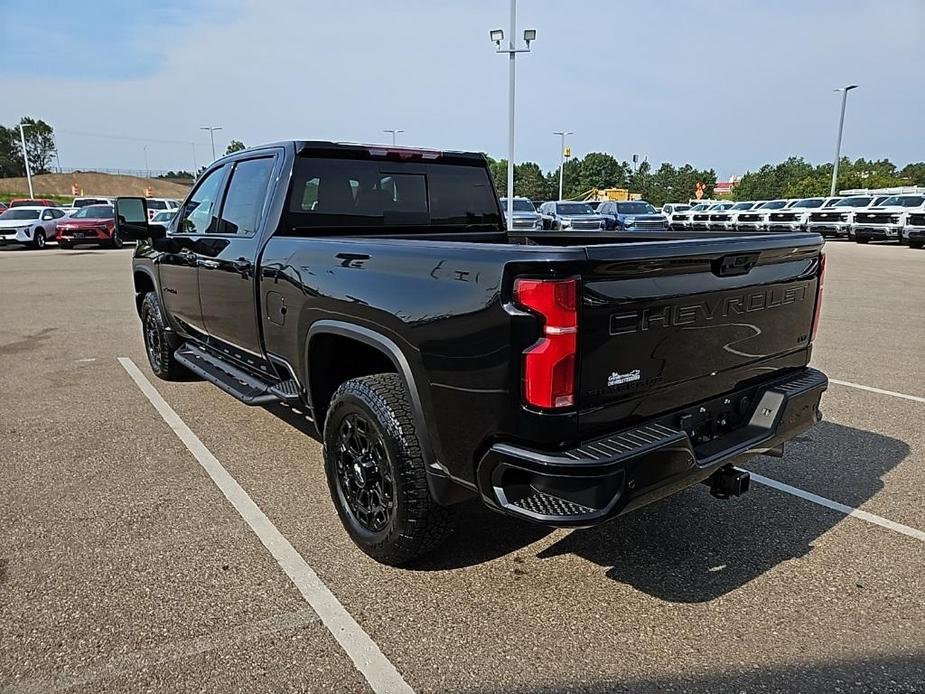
<point x="904" y="201"/>
<point x="13" y="213"/>
<point x="26" y="203"/>
<point x="519" y="205"/>
<point x="639" y="207"/>
<point x="773" y="205"/>
<point x="853" y="202"/>
<point x="94" y="212"/>
<point x="680" y="208"/>
<point x="811" y="202"/>
<point x="700" y="207"/>
<point x="574" y="208"/>
<point x="742" y="206"/>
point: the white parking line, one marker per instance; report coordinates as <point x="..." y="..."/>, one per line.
<point x="363" y="651"/>
<point x="871" y="389"/>
<point x="841" y="508"/>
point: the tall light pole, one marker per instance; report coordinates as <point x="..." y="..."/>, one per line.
<point x="841" y="125"/>
<point x="497" y="35"/>
<point x="147" y="172"/>
<point x="25" y="156"/>
<point x="562" y="134"/>
<point x="211" y="129"/>
<point x="394" y="133"/>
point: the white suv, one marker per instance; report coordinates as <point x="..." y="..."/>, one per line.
<point x="885" y="221"/>
<point x="835" y="219"/>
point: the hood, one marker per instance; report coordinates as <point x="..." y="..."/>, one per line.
<point x="71" y="223"/>
<point x="16" y="223"/>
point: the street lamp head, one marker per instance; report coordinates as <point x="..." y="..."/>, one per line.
<point x="497" y="35"/>
<point x="529" y="35"/>
<point x="847" y="88"/>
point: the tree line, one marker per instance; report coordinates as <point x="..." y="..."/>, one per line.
<point x="793" y="178"/>
<point x="601" y="170"/>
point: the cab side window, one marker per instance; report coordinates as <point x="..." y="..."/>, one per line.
<point x="247" y="193"/>
<point x="198" y="215"/>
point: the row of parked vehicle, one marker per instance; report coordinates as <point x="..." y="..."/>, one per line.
<point x="861" y="218"/>
<point x="572" y="215"/>
<point x="36" y="221"/>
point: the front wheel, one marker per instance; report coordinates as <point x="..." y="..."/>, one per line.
<point x="858" y="239"/>
<point x="116" y="240"/>
<point x="916" y="243"/>
<point x="65" y="244"/>
<point x="375" y="471"/>
<point x="39" y="240"/>
<point x="160" y="343"/>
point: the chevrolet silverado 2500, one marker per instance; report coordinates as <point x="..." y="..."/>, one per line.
<point x="562" y="377"/>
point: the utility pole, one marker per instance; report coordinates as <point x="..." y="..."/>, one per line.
<point x="841" y="126"/>
<point x="25" y="156"/>
<point x="394" y="133"/>
<point x="562" y="134"/>
<point x="497" y="35"/>
<point x="147" y="171"/>
<point x="211" y="130"/>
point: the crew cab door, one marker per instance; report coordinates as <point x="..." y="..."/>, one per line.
<point x="227" y="257"/>
<point x="178" y="266"/>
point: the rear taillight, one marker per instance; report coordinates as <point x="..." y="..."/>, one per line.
<point x="548" y="375"/>
<point x="818" y="312"/>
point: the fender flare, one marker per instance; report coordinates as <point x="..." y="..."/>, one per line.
<point x="444" y="488"/>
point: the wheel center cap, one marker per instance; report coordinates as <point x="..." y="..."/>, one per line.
<point x="359" y="474"/>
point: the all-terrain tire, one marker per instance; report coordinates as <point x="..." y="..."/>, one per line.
<point x="160" y="343"/>
<point x="416" y="523"/>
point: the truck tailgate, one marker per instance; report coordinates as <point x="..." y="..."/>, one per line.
<point x="678" y="322"/>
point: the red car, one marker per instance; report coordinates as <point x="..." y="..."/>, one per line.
<point x="4" y="206"/>
<point x="32" y="202"/>
<point x="91" y="224"/>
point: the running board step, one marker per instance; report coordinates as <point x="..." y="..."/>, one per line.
<point x="244" y="386"/>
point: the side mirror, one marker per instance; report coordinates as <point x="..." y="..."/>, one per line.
<point x="132" y="220"/>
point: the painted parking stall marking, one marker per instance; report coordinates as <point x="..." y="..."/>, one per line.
<point x="879" y="391"/>
<point x="379" y="672"/>
<point x="841" y="508"/>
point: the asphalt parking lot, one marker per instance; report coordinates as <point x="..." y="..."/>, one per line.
<point x="125" y="568"/>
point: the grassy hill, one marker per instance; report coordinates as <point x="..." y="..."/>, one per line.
<point x="59" y="185"/>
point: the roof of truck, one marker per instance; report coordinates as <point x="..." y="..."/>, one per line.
<point x="327" y="148"/>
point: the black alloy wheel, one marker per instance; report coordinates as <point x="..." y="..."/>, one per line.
<point x="364" y="473"/>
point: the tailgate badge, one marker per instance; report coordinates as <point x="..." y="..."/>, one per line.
<point x="616" y="378"/>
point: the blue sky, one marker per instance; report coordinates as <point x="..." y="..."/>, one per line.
<point x="725" y="85"/>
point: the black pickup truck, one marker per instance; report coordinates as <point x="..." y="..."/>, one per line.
<point x="560" y="377"/>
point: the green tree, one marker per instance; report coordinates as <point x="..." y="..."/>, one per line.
<point x="40" y="144"/>
<point x="913" y="174"/>
<point x="234" y="146"/>
<point x="11" y="163"/>
<point x="600" y="170"/>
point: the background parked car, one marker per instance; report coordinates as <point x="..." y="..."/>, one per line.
<point x="90" y="224"/>
<point x="568" y="215"/>
<point x="32" y="202"/>
<point x="156" y="205"/>
<point x="795" y="215"/>
<point x="525" y="214"/>
<point x="3" y="206"/>
<point x="700" y="221"/>
<point x="632" y="215"/>
<point x="835" y="219"/>
<point x="721" y="216"/>
<point x="31" y="226"/>
<point x="756" y="219"/>
<point x="670" y="208"/>
<point x="914" y="228"/>
<point x="84" y="202"/>
<point x="682" y="219"/>
<point x="165" y="217"/>
<point x="885" y="221"/>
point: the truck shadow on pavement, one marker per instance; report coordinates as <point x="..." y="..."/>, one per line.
<point x="693" y="548"/>
<point x="877" y="673"/>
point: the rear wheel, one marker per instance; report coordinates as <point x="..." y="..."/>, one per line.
<point x="38" y="239"/>
<point x="160" y="343"/>
<point x="375" y="471"/>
